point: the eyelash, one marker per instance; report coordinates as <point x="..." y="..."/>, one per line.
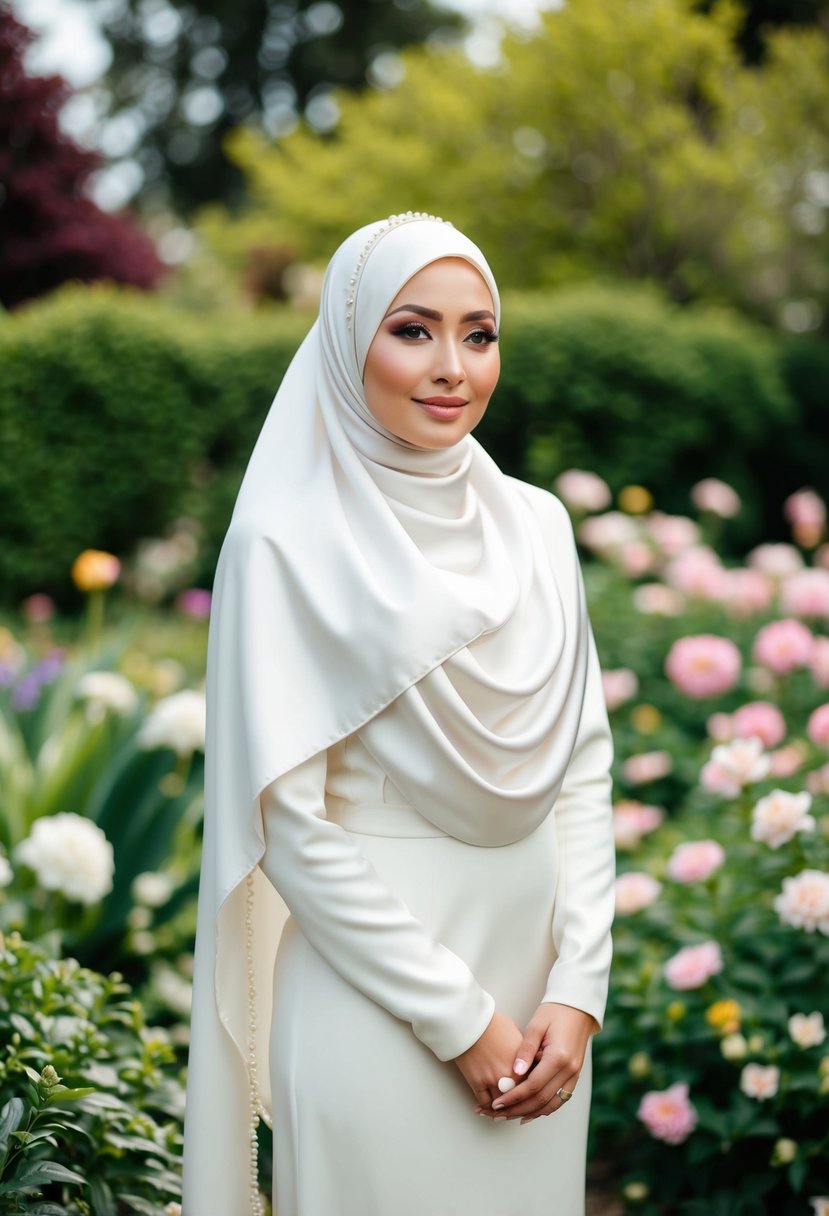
<point x="414" y="329"/>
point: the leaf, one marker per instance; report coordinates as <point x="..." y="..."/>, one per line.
<point x="62" y="1094"/>
<point x="37" y="1174"/>
<point x="101" y="1198"/>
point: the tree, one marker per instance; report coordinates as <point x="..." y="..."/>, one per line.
<point x="187" y="73"/>
<point x="629" y="142"/>
<point x="50" y="229"/>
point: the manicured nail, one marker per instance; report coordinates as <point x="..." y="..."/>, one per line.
<point x="520" y="1066"/>
<point x="497" y="1106"/>
<point x="500" y="1119"/>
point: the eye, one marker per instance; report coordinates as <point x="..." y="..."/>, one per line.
<point x="411" y="329"/>
<point x="482" y="337"/>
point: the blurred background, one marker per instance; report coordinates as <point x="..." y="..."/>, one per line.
<point x="650" y="182"/>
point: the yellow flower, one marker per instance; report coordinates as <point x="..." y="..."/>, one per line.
<point x="95" y="570"/>
<point x="676" y="1011"/>
<point x="724" y="1016"/>
<point x="636" y="500"/>
<point x="646" y="719"/>
<point x="635" y="1192"/>
<point x="784" y="1152"/>
<point x="639" y="1065"/>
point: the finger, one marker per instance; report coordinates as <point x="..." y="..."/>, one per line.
<point x="528" y="1051"/>
<point x="546" y="1101"/>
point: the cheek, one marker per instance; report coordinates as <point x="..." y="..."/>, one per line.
<point x="388" y="368"/>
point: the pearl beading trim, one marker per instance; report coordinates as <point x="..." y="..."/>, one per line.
<point x="256" y="1109"/>
<point x="393" y="221"/>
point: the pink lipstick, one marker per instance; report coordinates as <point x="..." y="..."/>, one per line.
<point x="446" y="408"/>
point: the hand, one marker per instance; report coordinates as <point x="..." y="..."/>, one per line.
<point x="549" y="1058"/>
<point x="490" y="1058"/>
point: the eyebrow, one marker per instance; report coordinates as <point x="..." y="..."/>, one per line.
<point x="482" y="314"/>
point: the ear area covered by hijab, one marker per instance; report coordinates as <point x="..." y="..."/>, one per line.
<point x="359" y="571"/>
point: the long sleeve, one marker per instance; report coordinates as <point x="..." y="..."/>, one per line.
<point x="585" y="897"/>
<point x="362" y="929"/>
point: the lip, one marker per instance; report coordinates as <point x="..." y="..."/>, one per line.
<point x="446" y="401"/>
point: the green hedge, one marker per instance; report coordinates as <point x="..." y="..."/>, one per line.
<point x="118" y="413"/>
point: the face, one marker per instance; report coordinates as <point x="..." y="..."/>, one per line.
<point x="434" y="362"/>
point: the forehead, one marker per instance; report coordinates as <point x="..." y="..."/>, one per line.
<point x="446" y="282"/>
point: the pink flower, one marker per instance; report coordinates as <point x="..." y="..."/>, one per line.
<point x="634" y="891"/>
<point x="636" y="559"/>
<point x="693" y="966"/>
<point x="195" y="602"/>
<point x="697" y="571"/>
<point x="647" y="766"/>
<point x="655" y="599"/>
<point x="743" y="761"/>
<point x="784" y="645"/>
<point x="818" y="781"/>
<point x="720" y="727"/>
<point x="620" y="685"/>
<point x="605" y="534"/>
<point x="818" y="727"/>
<point x="760" y="1081"/>
<point x="777" y="560"/>
<point x="582" y="491"/>
<point x="668" y="1114"/>
<point x="820" y="662"/>
<point x="779" y="816"/>
<point x="785" y="761"/>
<point x="716" y="496"/>
<point x="703" y="665"/>
<point x="806" y="594"/>
<point x="746" y="592"/>
<point x="761" y="720"/>
<point x="38" y="608"/>
<point x="807" y="1029"/>
<point x="633" y="820"/>
<point x="804" y="901"/>
<point x="695" y="861"/>
<point x="671" y="533"/>
<point x="806" y="512"/>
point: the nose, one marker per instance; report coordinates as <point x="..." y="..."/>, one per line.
<point x="448" y="366"/>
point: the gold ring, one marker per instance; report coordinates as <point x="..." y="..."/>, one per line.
<point x="564" y="1094"/>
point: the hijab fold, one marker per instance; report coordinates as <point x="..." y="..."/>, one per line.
<point x="418" y="596"/>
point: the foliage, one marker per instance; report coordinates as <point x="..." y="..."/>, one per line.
<point x="193" y="71"/>
<point x="626" y="141"/>
<point x="106" y="1142"/>
<point x="52" y="231"/>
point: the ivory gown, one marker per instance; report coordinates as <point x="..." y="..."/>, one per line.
<point x="401" y="942"/>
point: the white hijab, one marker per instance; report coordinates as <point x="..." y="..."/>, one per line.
<point x="357" y="571"/>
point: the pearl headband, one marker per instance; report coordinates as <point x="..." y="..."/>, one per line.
<point x="394" y="221"/>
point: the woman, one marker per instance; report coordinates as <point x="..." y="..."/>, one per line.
<point x="407" y="736"/>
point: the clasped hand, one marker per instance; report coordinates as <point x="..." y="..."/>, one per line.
<point x="544" y="1058"/>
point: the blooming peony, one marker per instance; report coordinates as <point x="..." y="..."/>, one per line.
<point x="646" y="766"/>
<point x="785" y="761"/>
<point x="807" y="1029"/>
<point x="582" y="490"/>
<point x="704" y="665"/>
<point x="655" y="599"/>
<point x="104" y="691"/>
<point x="636" y="558"/>
<point x="806" y="594"/>
<point x="620" y="685"/>
<point x="779" y="816"/>
<point x="693" y="966"/>
<point x="804" y="901"/>
<point x="668" y="1114"/>
<point x="177" y="722"/>
<point x="671" y="533"/>
<point x="716" y="496"/>
<point x="634" y="891"/>
<point x="761" y="720"/>
<point x="695" y="861"/>
<point x="818" y="726"/>
<point x="720" y="727"/>
<point x="69" y="854"/>
<point x="777" y="560"/>
<point x="819" y="662"/>
<point x="746" y="592"/>
<point x="607" y="533"/>
<point x="760" y="1081"/>
<point x="806" y="512"/>
<point x="784" y="645"/>
<point x="697" y="571"/>
<point x="633" y="820"/>
<point x="733" y="765"/>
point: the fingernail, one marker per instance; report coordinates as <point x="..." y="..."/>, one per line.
<point x="481" y="1113"/>
<point x="520" y="1066"/>
<point x="500" y="1119"/>
<point x="497" y="1106"/>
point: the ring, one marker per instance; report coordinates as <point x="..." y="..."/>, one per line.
<point x="564" y="1094"/>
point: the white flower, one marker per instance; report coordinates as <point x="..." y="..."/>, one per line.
<point x="734" y="1047"/>
<point x="6" y="872"/>
<point x="777" y="817"/>
<point x="739" y="763"/>
<point x="716" y="496"/>
<point x="760" y="1081"/>
<point x="807" y="1029"/>
<point x="104" y="691"/>
<point x="152" y="888"/>
<point x="69" y="854"/>
<point x="804" y="901"/>
<point x="177" y="722"/>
